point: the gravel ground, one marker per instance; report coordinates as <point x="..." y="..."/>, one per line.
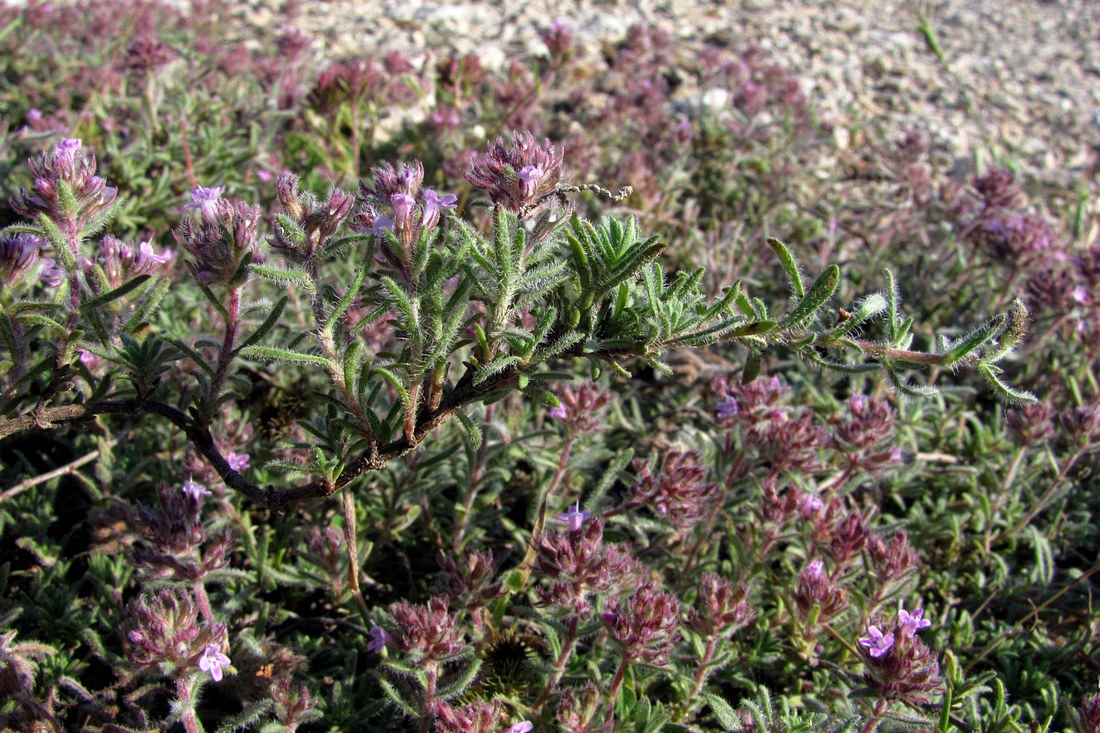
<point x="1016" y="79"/>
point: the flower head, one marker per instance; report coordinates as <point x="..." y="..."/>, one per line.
<point x="646" y="626"/>
<point x="817" y="588"/>
<point x="898" y="664"/>
<point x="677" y="489"/>
<point x="515" y="176"/>
<point x="164" y="631"/>
<point x="720" y="609"/>
<point x="398" y="205"/>
<point x="223" y="241"/>
<point x="576" y="564"/>
<point x="425" y="631"/>
<point x="66" y="190"/>
<point x="310" y="223"/>
<point x="212" y="661"/>
<point x="121" y="262"/>
<point x="559" y="41"/>
<point x="18" y="252"/>
<point x="579" y="408"/>
<point x="876" y="642"/>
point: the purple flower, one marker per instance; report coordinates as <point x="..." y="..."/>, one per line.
<point x="67" y="149"/>
<point x="814" y="570"/>
<point x="382" y="224"/>
<point x="50" y="272"/>
<point x="810" y="504"/>
<point x="433" y="200"/>
<point x="237" y="461"/>
<point x="727" y="408"/>
<point x="433" y="205"/>
<point x="194" y="489"/>
<point x="521" y="727"/>
<point x="575" y="518"/>
<point x="206" y="200"/>
<point x="529" y="175"/>
<point x="559" y="412"/>
<point x="88" y="359"/>
<point x="915" y="621"/>
<point x="212" y="661"/>
<point x="146" y="249"/>
<point x="876" y="642"/>
<point x="403" y="205"/>
<point x="378" y="639"/>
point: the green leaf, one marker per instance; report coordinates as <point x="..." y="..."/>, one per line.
<point x="192" y="355"/>
<point x="752" y="329"/>
<point x="41" y="321"/>
<point x="544" y="396"/>
<point x="345" y="302"/>
<point x="148" y="306"/>
<point x="394" y="382"/>
<point x="974" y="341"/>
<point x="723" y="711"/>
<point x="786" y="259"/>
<point x="1004" y="391"/>
<point x="405" y="307"/>
<point x="266" y="326"/>
<point x="395" y="697"/>
<point x="115" y="294"/>
<point x="893" y="314"/>
<point x="286" y="356"/>
<point x="471" y="432"/>
<point x="246" y="719"/>
<point x="279" y="276"/>
<point x="462" y="682"/>
<point x="841" y="367"/>
<point x="562" y="344"/>
<point x="822" y="289"/>
<point x="496" y="366"/>
<point x="752" y="367"/>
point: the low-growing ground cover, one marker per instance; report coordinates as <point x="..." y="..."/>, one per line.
<point x="587" y="393"/>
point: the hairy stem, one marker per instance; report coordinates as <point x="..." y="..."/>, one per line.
<point x="560" y="663"/>
<point x="352" y="545"/>
<point x="225" y="354"/>
<point x="187" y="716"/>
